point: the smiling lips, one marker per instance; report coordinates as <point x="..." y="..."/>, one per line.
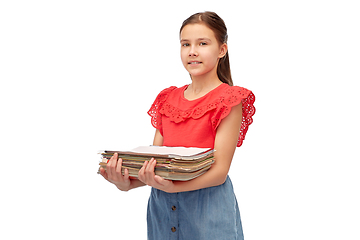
<point x="194" y="62"/>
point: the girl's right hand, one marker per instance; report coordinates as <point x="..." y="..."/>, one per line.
<point x="113" y="173"/>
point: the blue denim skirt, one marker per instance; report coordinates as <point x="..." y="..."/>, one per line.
<point x="209" y="213"/>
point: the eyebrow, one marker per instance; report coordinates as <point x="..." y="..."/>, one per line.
<point x="199" y="39"/>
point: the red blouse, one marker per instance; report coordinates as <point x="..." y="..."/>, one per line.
<point x="193" y="123"/>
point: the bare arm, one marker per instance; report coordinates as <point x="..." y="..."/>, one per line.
<point x="158" y="139"/>
<point x="225" y="144"/>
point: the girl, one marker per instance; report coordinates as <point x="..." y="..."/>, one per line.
<point x="210" y="113"/>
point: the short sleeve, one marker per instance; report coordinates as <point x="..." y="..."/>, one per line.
<point x="232" y="97"/>
<point x="154" y="111"/>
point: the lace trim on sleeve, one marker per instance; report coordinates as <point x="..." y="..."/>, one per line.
<point x="233" y="96"/>
<point x="248" y="112"/>
<point x="154" y="111"/>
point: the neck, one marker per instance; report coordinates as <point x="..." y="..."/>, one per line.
<point x="205" y="82"/>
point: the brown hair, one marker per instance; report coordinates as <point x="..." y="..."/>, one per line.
<point x="217" y="25"/>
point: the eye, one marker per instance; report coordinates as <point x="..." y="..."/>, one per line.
<point x="203" y="43"/>
<point x="185" y="45"/>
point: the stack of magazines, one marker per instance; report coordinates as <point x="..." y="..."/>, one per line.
<point x="172" y="163"/>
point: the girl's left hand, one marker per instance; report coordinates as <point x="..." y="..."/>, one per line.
<point x="147" y="175"/>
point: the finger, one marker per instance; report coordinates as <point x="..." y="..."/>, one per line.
<point x="118" y="167"/>
<point x="103" y="173"/>
<point x="160" y="180"/>
<point x="154" y="166"/>
<point x="146" y="168"/>
<point x="126" y="174"/>
<point x="111" y="165"/>
<point x="141" y="173"/>
<point x="150" y="167"/>
<point x="111" y="161"/>
<point x="142" y="169"/>
<point x="149" y="172"/>
<point x="114" y="157"/>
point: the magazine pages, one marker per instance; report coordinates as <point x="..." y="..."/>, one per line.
<point x="172" y="163"/>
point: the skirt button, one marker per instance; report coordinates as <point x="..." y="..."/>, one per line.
<point x="173" y="229"/>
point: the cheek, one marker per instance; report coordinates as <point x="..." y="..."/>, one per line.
<point x="210" y="57"/>
<point x="183" y="56"/>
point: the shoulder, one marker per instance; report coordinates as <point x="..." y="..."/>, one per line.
<point x="171" y="90"/>
<point x="167" y="91"/>
<point x="233" y="95"/>
<point x="164" y="94"/>
<point x="235" y="92"/>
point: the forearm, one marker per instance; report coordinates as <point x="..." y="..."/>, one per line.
<point x="213" y="177"/>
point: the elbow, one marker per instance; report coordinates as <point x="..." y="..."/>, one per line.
<point x="221" y="178"/>
<point x="218" y="174"/>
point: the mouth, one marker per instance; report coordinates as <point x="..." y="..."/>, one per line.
<point x="194" y="62"/>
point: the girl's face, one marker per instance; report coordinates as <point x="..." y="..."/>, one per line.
<point x="200" y="51"/>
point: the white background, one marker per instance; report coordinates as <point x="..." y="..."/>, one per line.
<point x="79" y="76"/>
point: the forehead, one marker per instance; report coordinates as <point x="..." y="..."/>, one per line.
<point x="196" y="31"/>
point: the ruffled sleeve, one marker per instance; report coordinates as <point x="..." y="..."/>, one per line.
<point x="154" y="111"/>
<point x="232" y="97"/>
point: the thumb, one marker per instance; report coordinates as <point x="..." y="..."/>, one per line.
<point x="103" y="173"/>
<point x="161" y="180"/>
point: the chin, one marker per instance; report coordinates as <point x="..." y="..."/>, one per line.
<point x="195" y="73"/>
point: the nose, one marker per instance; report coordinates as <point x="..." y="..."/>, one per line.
<point x="193" y="52"/>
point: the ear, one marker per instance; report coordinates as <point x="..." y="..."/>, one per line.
<point x="223" y="50"/>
